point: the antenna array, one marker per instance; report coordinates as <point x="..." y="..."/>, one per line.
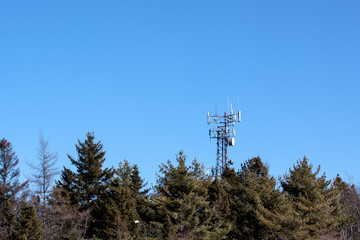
<point x="224" y="134"/>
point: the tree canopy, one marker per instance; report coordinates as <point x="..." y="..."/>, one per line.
<point x="94" y="202"/>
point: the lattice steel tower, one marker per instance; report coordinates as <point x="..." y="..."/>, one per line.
<point x="224" y="134"/>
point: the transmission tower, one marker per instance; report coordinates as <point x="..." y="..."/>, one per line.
<point x="224" y="133"/>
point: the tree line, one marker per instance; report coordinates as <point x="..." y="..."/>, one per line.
<point x="94" y="202"/>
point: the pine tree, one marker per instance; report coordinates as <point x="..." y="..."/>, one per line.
<point x="69" y="185"/>
<point x="181" y="207"/>
<point x="131" y="198"/>
<point x="129" y="176"/>
<point x="312" y="201"/>
<point x="115" y="212"/>
<point x="257" y="210"/>
<point x="9" y="173"/>
<point x="140" y="194"/>
<point x="269" y="211"/>
<point x="230" y="182"/>
<point x="220" y="223"/>
<point x="90" y="181"/>
<point x="9" y="224"/>
<point x="10" y="187"/>
<point x="123" y="172"/>
<point x="30" y="224"/>
<point x="137" y="184"/>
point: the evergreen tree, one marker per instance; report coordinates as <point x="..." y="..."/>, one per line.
<point x="182" y="209"/>
<point x="10" y="187"/>
<point x="140" y="195"/>
<point x="127" y="202"/>
<point x="267" y="211"/>
<point x="220" y="223"/>
<point x="90" y="181"/>
<point x="115" y="212"/>
<point x="231" y="184"/>
<point x="9" y="173"/>
<point x="9" y="224"/>
<point x="255" y="208"/>
<point x="68" y="184"/>
<point x="123" y="172"/>
<point x="30" y="224"/>
<point x="129" y="177"/>
<point x="137" y="184"/>
<point x="312" y="200"/>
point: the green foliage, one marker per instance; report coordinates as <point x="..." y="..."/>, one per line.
<point x="90" y="181"/>
<point x="267" y="209"/>
<point x="129" y="177"/>
<point x="257" y="210"/>
<point x="123" y="172"/>
<point x="29" y="222"/>
<point x="116" y="213"/>
<point x="117" y="209"/>
<point x="9" y="223"/>
<point x="96" y="203"/>
<point x="10" y="187"/>
<point x="314" y="202"/>
<point x="218" y="197"/>
<point x="9" y="172"/>
<point x="140" y="195"/>
<point x="182" y="211"/>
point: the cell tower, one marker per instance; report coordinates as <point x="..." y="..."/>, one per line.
<point x="224" y="134"/>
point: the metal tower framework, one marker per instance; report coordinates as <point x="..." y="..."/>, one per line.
<point x="225" y="136"/>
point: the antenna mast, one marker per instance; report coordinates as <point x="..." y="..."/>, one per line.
<point x="224" y="133"/>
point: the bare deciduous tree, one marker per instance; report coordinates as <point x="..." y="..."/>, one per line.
<point x="43" y="176"/>
<point x="64" y="220"/>
<point x="45" y="170"/>
<point x="351" y="201"/>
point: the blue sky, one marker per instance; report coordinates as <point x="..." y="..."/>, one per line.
<point x="142" y="75"/>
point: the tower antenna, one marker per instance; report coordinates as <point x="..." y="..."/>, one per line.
<point x="224" y="133"/>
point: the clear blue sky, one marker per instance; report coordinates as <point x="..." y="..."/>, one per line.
<point x="143" y="74"/>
